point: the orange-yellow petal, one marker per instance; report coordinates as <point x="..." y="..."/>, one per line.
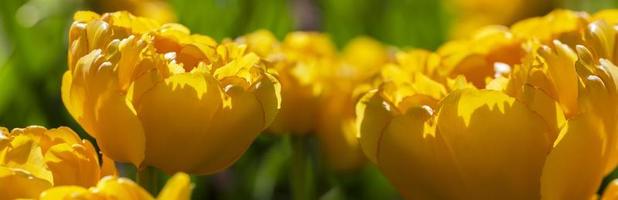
<point x="16" y="183"/>
<point x="177" y="188"/>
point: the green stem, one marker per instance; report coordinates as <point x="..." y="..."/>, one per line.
<point x="148" y="179"/>
<point x="302" y="188"/>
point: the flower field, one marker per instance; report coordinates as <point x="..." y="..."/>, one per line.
<point x="308" y="99"/>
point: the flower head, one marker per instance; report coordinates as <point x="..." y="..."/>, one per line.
<point x="33" y="159"/>
<point x="547" y="126"/>
<point x="151" y="94"/>
<point x="358" y="64"/>
<point x="298" y="62"/>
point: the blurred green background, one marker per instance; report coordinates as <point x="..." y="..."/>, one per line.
<point x="33" y="46"/>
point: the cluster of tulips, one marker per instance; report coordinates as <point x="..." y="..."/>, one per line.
<point x="528" y="111"/>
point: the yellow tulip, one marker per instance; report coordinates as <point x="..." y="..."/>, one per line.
<point x="33" y="159"/>
<point x="336" y="131"/>
<point x="155" y="9"/>
<point x="470" y="15"/>
<point x="318" y="87"/>
<point x="362" y="58"/>
<point x="402" y="90"/>
<point x="110" y="187"/>
<point x="298" y="62"/>
<point x="155" y="95"/>
<point x="546" y="130"/>
<point x="306" y="56"/>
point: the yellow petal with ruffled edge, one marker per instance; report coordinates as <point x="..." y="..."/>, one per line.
<point x="478" y="141"/>
<point x="179" y="111"/>
<point x="112" y="119"/>
<point x="73" y="164"/>
<point x="559" y="62"/>
<point x="268" y="93"/>
<point x="373" y="115"/>
<point x="24" y="153"/>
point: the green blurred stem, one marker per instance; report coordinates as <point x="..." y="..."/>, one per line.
<point x="147" y="178"/>
<point x="301" y="177"/>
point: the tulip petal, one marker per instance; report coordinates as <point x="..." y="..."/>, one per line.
<point x="611" y="82"/>
<point x="60" y="135"/>
<point x="485" y="145"/>
<point x="108" y="168"/>
<point x="116" y="122"/>
<point x="580" y="158"/>
<point x="560" y="60"/>
<point x="120" y="188"/>
<point x="177" y="188"/>
<point x="268" y="93"/>
<point x="495" y="140"/>
<point x="65" y="192"/>
<point x="179" y="113"/>
<point x="231" y="140"/>
<point x="81" y="91"/>
<point x="574" y="168"/>
<point x="73" y="164"/>
<point x="85" y="16"/>
<point x="373" y="115"/>
<point x="16" y="184"/>
<point x="24" y="153"/>
<point x="546" y="107"/>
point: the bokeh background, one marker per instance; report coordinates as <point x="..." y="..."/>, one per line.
<point x="33" y="47"/>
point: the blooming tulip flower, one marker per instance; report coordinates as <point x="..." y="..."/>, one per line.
<point x="155" y="95"/>
<point x="322" y="84"/>
<point x="298" y="62"/>
<point x="177" y="188"/>
<point x="336" y="131"/>
<point x="33" y="159"/>
<point x="545" y="131"/>
<point x="470" y="15"/>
